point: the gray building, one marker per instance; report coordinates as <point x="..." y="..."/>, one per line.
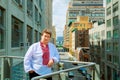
<point x="21" y="23"/>
<point x="92" y="8"/>
<point x="111" y="62"/>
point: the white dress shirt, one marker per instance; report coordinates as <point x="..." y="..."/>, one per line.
<point x="33" y="58"/>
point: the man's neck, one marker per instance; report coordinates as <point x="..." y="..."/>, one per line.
<point x="44" y="44"/>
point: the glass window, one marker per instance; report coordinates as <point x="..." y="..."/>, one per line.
<point x="1" y="17"/>
<point x="40" y="4"/>
<point x="115" y="7"/>
<point x="17" y="32"/>
<point x="116" y="59"/>
<point x="109" y="57"/>
<point x="20" y="2"/>
<point x="36" y="36"/>
<point x="37" y="1"/>
<point x="40" y="17"/>
<point x="115" y="33"/>
<point x="108" y="34"/>
<point x="97" y="35"/>
<point x="1" y="39"/>
<point x="109" y="23"/>
<point x="29" y="8"/>
<point x="29" y="35"/>
<point x="115" y="47"/>
<point x="39" y="36"/>
<point x="108" y="1"/>
<point x="108" y="46"/>
<point x="109" y="11"/>
<point x="1" y="28"/>
<point x="115" y="20"/>
<point x="36" y="14"/>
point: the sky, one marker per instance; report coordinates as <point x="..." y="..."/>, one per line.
<point x="59" y="15"/>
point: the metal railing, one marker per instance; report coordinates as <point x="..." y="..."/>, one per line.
<point x="11" y="68"/>
<point x="84" y="64"/>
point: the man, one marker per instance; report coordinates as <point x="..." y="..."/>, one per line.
<point x="41" y="56"/>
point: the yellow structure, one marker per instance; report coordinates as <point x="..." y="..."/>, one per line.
<point x="82" y="23"/>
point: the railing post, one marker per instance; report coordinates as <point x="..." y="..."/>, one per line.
<point x="5" y="68"/>
<point x="10" y="61"/>
<point x="2" y="68"/>
<point x="94" y="72"/>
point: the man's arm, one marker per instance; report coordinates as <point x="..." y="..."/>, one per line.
<point x="27" y="60"/>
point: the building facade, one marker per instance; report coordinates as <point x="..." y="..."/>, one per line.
<point x="78" y="33"/>
<point x="97" y="39"/>
<point x="92" y="8"/>
<point x="21" y="23"/>
<point x="66" y="38"/>
<point x="112" y="43"/>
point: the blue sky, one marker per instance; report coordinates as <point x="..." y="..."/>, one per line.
<point x="59" y="15"/>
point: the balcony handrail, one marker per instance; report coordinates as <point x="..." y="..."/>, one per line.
<point x="84" y="64"/>
<point x="66" y="70"/>
<point x="17" y="57"/>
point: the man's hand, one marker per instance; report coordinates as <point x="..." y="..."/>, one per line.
<point x="50" y="63"/>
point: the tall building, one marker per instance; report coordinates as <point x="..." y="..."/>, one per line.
<point x="92" y="8"/>
<point x="66" y="38"/>
<point x="78" y="33"/>
<point x="21" y="23"/>
<point x="111" y="61"/>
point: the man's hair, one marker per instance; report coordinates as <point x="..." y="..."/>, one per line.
<point x="46" y="31"/>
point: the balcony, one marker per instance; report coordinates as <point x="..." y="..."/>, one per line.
<point x="12" y="69"/>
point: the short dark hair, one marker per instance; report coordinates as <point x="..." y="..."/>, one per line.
<point x="48" y="31"/>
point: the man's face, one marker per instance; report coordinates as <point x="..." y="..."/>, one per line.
<point x="45" y="38"/>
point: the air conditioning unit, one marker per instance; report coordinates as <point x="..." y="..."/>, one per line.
<point x="21" y="44"/>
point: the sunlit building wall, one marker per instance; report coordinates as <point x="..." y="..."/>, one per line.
<point x="81" y="26"/>
<point x="66" y="38"/>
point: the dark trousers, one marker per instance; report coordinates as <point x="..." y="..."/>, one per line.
<point x="31" y="75"/>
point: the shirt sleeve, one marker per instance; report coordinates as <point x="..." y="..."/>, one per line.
<point x="56" y="56"/>
<point x="27" y="59"/>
